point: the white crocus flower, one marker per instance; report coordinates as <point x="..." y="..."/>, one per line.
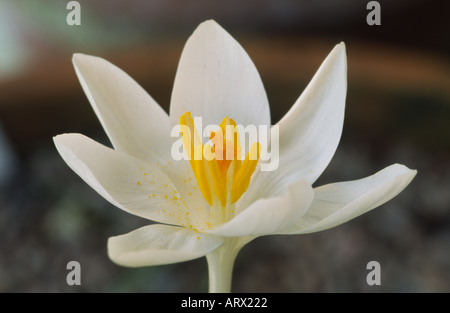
<point x="212" y="208"/>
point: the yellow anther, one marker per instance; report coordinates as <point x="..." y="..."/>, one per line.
<point x="200" y="168"/>
<point x="218" y="169"/>
<point x="242" y="176"/>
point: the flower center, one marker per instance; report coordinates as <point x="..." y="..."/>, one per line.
<point x="220" y="173"/>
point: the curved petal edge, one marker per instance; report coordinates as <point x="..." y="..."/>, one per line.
<point x="216" y="78"/>
<point x="338" y="203"/>
<point x="131" y="118"/>
<point x="268" y="216"/>
<point x="160" y="244"/>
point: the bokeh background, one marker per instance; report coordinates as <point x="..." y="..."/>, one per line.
<point x="398" y="111"/>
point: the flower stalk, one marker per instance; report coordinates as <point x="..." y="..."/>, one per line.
<point x="221" y="264"/>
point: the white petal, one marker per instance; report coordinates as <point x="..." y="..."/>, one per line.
<point x="183" y="178"/>
<point x="338" y="203"/>
<point x="132" y="185"/>
<point x="160" y="244"/>
<point x="311" y="130"/>
<point x="216" y="78"/>
<point x="133" y="121"/>
<point x="267" y="216"/>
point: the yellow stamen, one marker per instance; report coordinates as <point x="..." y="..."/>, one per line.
<point x="189" y="135"/>
<point x="200" y="169"/>
<point x="211" y="165"/>
<point x="241" y="179"/>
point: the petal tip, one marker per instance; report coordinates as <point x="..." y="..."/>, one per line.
<point x="209" y="23"/>
<point x="58" y="139"/>
<point x="410" y="173"/>
<point x="404" y="169"/>
<point x="338" y="55"/>
<point x="78" y="57"/>
<point x="341" y="51"/>
<point x="61" y="137"/>
<point x="210" y="28"/>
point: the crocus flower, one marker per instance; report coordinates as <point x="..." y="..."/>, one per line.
<point x="213" y="206"/>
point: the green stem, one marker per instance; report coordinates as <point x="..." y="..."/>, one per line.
<point x="221" y="263"/>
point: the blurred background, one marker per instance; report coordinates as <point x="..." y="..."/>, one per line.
<point x="398" y="111"/>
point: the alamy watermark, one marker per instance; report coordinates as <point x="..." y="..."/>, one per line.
<point x="374" y="16"/>
<point x="74" y="16"/>
<point x="374" y="276"/>
<point x="266" y="136"/>
<point x="74" y="276"/>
